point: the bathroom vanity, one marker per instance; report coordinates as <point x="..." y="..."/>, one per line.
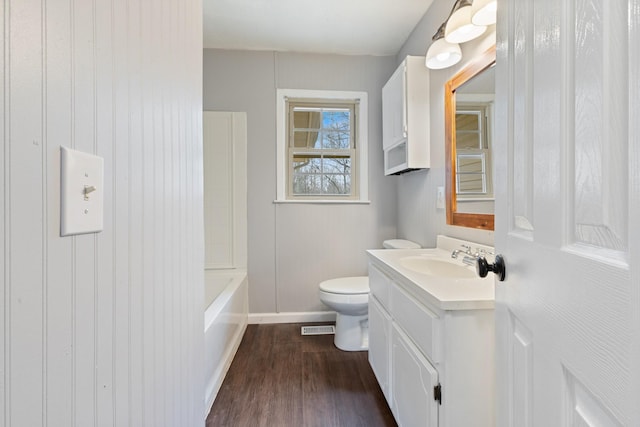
<point x="431" y="335"/>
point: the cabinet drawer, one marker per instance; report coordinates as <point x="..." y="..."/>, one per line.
<point x="379" y="285"/>
<point x="421" y="324"/>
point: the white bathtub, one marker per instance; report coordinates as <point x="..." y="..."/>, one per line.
<point x="225" y="320"/>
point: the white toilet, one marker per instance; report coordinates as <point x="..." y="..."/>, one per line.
<point x="349" y="297"/>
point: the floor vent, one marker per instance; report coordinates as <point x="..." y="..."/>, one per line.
<point x="318" y="330"/>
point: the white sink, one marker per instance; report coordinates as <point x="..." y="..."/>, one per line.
<point x="437" y="267"/>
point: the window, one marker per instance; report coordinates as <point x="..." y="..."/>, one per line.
<point x="322" y="146"/>
<point x="473" y="179"/>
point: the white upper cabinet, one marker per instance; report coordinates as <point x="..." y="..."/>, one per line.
<point x="405" y="117"/>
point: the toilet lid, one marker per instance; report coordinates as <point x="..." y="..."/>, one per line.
<point x="346" y="285"/>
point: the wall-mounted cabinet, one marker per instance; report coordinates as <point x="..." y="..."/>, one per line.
<point x="405" y="118"/>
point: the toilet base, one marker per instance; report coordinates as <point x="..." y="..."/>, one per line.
<point x="352" y="332"/>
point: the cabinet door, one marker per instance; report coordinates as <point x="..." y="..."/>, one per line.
<point x="380" y="345"/>
<point x="413" y="381"/>
<point x="394" y="114"/>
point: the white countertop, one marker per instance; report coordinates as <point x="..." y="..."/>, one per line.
<point x="441" y="292"/>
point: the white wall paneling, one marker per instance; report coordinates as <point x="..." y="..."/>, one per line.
<point x="102" y="329"/>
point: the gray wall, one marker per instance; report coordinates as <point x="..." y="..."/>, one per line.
<point x="418" y="217"/>
<point x="292" y="247"/>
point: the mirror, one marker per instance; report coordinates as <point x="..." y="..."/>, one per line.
<point x="468" y="104"/>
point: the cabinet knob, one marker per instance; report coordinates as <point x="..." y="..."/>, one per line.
<point x="483" y="267"/>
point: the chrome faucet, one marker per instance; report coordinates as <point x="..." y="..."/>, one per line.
<point x="470" y="259"/>
<point x="456" y="252"/>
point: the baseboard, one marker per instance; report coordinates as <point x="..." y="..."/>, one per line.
<point x="292" y="317"/>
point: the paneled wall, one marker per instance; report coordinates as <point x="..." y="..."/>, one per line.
<point x="102" y="329"/>
<point x="292" y="247"/>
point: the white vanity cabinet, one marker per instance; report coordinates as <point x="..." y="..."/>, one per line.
<point x="434" y="365"/>
<point x="405" y="117"/>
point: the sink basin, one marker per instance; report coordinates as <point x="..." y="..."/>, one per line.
<point x="437" y="267"/>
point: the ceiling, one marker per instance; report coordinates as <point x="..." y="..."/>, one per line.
<point x="349" y="27"/>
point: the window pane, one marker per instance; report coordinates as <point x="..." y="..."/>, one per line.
<point x="336" y="119"/>
<point x="471" y="183"/>
<point x="306" y="119"/>
<point x="470" y="164"/>
<point x="341" y="165"/>
<point x="307" y="164"/>
<point x="337" y="183"/>
<point x="336" y="140"/>
<point x="467" y="141"/>
<point x="305" y="139"/>
<point x="307" y="184"/>
<point x="468" y="121"/>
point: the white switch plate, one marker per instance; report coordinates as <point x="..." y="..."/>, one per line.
<point x="440" y="198"/>
<point x="81" y="192"/>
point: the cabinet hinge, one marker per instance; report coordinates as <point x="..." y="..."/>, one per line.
<point x="437" y="393"/>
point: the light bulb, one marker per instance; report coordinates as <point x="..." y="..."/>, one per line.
<point x="442" y="54"/>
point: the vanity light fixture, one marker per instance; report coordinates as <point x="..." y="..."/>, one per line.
<point x="441" y="53"/>
<point x="459" y="28"/>
<point x="467" y="20"/>
<point x="483" y="12"/>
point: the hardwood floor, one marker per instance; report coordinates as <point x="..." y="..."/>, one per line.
<point x="282" y="379"/>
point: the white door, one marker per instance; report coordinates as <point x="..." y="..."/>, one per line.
<point x="568" y="213"/>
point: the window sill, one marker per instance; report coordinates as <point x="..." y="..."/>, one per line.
<point x="478" y="199"/>
<point x="323" y="202"/>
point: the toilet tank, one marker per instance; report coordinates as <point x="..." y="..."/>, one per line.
<point x="400" y="244"/>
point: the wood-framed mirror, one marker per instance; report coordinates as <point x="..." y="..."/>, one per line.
<point x="468" y="106"/>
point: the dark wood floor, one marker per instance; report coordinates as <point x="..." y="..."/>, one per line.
<point x="282" y="379"/>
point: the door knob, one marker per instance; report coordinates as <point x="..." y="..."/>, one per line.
<point x="483" y="267"/>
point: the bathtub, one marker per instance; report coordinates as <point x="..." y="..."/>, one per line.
<point x="225" y="320"/>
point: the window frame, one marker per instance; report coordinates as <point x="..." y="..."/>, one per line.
<point x="359" y="179"/>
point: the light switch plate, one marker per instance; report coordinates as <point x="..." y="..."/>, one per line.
<point x="81" y="192"/>
<point x="440" y="198"/>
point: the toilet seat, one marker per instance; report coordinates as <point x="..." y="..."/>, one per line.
<point x="346" y="285"/>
